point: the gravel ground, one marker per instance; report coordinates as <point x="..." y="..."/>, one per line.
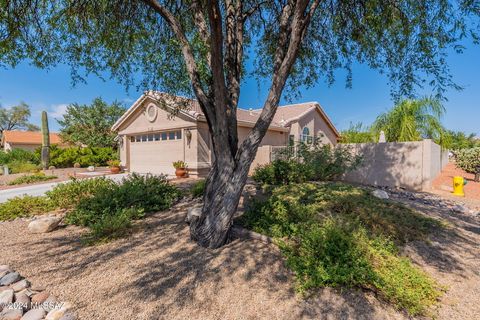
<point x="158" y="273"/>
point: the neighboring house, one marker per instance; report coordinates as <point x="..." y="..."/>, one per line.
<point x="27" y="140"/>
<point x="151" y="138"/>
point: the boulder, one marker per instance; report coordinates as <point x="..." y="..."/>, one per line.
<point x="57" y="314"/>
<point x="11" y="314"/>
<point x="34" y="314"/>
<point x="9" y="278"/>
<point x="43" y="225"/>
<point x="50" y="303"/>
<point x="20" y="285"/>
<point x="6" y="297"/>
<point x="380" y="194"/>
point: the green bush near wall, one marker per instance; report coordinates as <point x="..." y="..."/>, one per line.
<point x="89" y="156"/>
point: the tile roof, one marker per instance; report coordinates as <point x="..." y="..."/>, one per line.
<point x="283" y="116"/>
<point x="28" y="137"/>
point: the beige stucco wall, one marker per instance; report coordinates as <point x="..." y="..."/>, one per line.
<point x="138" y="122"/>
<point x="272" y="137"/>
<point x="317" y="126"/>
<point x="411" y="165"/>
<point x="28" y="147"/>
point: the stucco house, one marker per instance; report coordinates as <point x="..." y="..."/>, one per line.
<point x="27" y="140"/>
<point x="151" y="138"/>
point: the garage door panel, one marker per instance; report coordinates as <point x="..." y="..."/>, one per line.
<point x="155" y="156"/>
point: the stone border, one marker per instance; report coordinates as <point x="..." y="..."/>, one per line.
<point x="19" y="299"/>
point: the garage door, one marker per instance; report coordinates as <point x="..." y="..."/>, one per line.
<point x="155" y="152"/>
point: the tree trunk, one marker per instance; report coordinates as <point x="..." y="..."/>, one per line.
<point x="224" y="186"/>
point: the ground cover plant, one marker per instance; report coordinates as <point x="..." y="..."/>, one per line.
<point x="26" y="206"/>
<point x="334" y="234"/>
<point x="37" y="177"/>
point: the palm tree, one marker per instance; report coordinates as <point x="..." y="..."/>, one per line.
<point x="412" y="120"/>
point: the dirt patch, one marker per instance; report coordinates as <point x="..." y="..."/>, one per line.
<point x="158" y="273"/>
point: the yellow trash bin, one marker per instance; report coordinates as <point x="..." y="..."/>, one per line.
<point x="458" y="183"/>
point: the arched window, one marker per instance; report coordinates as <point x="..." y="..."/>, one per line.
<point x="305" y="134"/>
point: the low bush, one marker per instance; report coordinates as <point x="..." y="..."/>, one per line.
<point x="24" y="207"/>
<point x="68" y="195"/>
<point x="468" y="159"/>
<point x="110" y="227"/>
<point x="308" y="163"/>
<point x="19" y="155"/>
<point x="198" y="188"/>
<point x="19" y="166"/>
<point x="131" y="199"/>
<point x="333" y="234"/>
<point x="37" y="177"/>
<point x="84" y="157"/>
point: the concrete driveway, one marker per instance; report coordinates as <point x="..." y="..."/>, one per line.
<point x="40" y="189"/>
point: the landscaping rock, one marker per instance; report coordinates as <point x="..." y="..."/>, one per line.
<point x="3" y="273"/>
<point x="40" y="297"/>
<point x="34" y="314"/>
<point x="11" y="314"/>
<point x="9" y="278"/>
<point x="57" y="314"/>
<point x="380" y="194"/>
<point x="37" y="287"/>
<point x="6" y="297"/>
<point x="43" y="225"/>
<point x="68" y="316"/>
<point x="5" y="267"/>
<point x="20" y="285"/>
<point x="23" y="300"/>
<point x="50" y="303"/>
<point x="460" y="208"/>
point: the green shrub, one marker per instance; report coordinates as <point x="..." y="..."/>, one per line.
<point x="24" y="207"/>
<point x="90" y="156"/>
<point x="110" y="227"/>
<point x="468" y="159"/>
<point x="334" y="234"/>
<point x="136" y="194"/>
<point x="313" y="162"/>
<point x="20" y="166"/>
<point x="19" y="155"/>
<point x="37" y="177"/>
<point x="69" y="194"/>
<point x="198" y="188"/>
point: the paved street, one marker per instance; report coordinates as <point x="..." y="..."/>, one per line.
<point x="40" y="189"/>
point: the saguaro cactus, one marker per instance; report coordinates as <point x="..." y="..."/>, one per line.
<point x="45" y="141"/>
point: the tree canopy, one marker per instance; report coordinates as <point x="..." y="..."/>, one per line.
<point x="90" y="125"/>
<point x="201" y="48"/>
<point x="16" y="118"/>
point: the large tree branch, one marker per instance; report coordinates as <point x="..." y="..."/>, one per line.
<point x="282" y="67"/>
<point x="201" y="24"/>
<point x="189" y="58"/>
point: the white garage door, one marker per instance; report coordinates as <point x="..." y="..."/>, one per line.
<point x="155" y="152"/>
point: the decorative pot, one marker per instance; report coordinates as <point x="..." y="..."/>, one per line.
<point x="115" y="170"/>
<point x="180" y="172"/>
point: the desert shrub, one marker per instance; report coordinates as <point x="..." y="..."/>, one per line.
<point x="309" y="163"/>
<point x="137" y="194"/>
<point x="69" y="194"/>
<point x="468" y="159"/>
<point x="84" y="157"/>
<point x="37" y="177"/>
<point x="334" y="234"/>
<point x="198" y="188"/>
<point x="19" y="166"/>
<point x="24" y="207"/>
<point x="110" y="227"/>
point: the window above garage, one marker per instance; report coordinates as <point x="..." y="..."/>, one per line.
<point x="159" y="136"/>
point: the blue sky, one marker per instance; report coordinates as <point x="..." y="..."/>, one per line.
<point x="370" y="95"/>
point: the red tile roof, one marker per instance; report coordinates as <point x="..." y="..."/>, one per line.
<point x="28" y="137"/>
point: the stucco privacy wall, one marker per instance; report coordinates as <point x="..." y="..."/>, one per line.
<point x="411" y="165"/>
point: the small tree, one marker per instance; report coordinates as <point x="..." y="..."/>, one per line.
<point x="469" y="160"/>
<point x="412" y="120"/>
<point x="16" y="117"/>
<point x="357" y="133"/>
<point x="90" y="124"/>
<point x="197" y="48"/>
